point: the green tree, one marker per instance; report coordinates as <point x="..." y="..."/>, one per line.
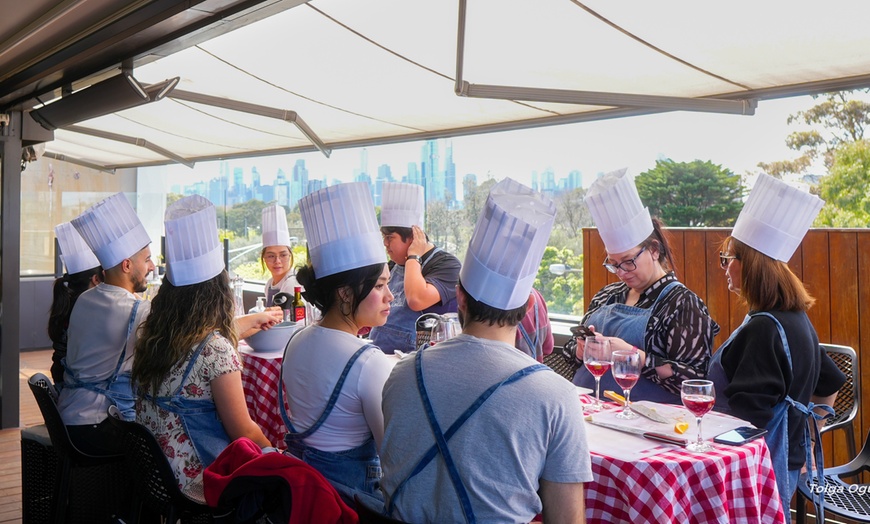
<point x="695" y="194"/>
<point x="844" y="190"/>
<point x="245" y="218"/>
<point x="836" y="120"/>
<point x="572" y="215"/>
<point x="564" y="294"/>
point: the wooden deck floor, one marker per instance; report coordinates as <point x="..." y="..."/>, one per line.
<point x="30" y="362"/>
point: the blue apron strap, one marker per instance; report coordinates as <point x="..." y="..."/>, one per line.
<point x="811" y="450"/>
<point x="166" y="401"/>
<point x="292" y="434"/>
<point x="441" y="439"/>
<point x="533" y="344"/>
<point x="111" y="379"/>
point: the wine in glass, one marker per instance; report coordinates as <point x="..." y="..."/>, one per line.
<point x="698" y="397"/>
<point x="626" y="370"/>
<point x="596" y="358"/>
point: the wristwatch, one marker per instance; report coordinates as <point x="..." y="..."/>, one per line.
<point x="413" y="257"/>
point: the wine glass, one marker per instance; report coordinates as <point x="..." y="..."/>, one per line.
<point x="626" y="370"/>
<point x="698" y="397"/>
<point x="596" y="358"/>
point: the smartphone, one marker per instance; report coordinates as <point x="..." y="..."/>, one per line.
<point x="739" y="436"/>
<point x="582" y="331"/>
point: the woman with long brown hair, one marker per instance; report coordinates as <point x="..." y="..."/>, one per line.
<point x="772" y="370"/>
<point x="186" y="366"/>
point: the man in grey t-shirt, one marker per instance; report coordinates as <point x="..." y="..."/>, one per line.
<point x="487" y="433"/>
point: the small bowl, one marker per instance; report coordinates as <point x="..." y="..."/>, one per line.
<point x="272" y="339"/>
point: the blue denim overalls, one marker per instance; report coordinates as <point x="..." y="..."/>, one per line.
<point x="400" y="331"/>
<point x="117" y="388"/>
<point x="534" y="351"/>
<point x="199" y="416"/>
<point x="441" y="437"/>
<point x="777" y="428"/>
<point x="352" y="471"/>
<point x="628" y="323"/>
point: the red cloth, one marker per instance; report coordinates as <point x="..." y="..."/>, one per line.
<point x="313" y="497"/>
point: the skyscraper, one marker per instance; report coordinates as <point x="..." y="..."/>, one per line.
<point x="433" y="184"/>
<point x="298" y="183"/>
<point x="449" y="175"/>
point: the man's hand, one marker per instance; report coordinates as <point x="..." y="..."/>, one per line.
<point x="419" y="244"/>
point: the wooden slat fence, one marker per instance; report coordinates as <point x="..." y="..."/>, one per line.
<point x="834" y="264"/>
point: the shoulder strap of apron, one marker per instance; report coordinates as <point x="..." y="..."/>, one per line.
<point x="441" y="438"/>
<point x="292" y="434"/>
<point x="809" y="411"/>
<point x="429" y="258"/>
<point x="130" y="324"/>
<point x="533" y="344"/>
<point x="164" y="401"/>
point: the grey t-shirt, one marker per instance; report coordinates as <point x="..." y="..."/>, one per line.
<point x="529" y="430"/>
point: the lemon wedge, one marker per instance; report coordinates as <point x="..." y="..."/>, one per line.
<point x="681" y="427"/>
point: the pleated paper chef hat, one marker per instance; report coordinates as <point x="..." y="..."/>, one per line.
<point x="507" y="245"/>
<point x="776" y="217"/>
<point x="402" y="205"/>
<point x="621" y="218"/>
<point x="193" y="250"/>
<point x="341" y="228"/>
<point x="112" y="230"/>
<point x="275" y="231"/>
<point x="76" y="254"/>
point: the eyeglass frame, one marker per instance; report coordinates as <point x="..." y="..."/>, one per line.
<point x="613" y="268"/>
<point x="724" y="259"/>
<point x="272" y="257"/>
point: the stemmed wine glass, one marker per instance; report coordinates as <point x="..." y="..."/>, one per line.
<point x="596" y="358"/>
<point x="698" y="397"/>
<point x="626" y="370"/>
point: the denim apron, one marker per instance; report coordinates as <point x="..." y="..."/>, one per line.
<point x="532" y="343"/>
<point x="198" y="416"/>
<point x="359" y="468"/>
<point x="441" y="437"/>
<point x="400" y="331"/>
<point x="777" y="428"/>
<point x="628" y="323"/>
<point x="118" y="388"/>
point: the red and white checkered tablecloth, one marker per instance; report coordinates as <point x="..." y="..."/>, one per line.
<point x="728" y="484"/>
<point x="261" y="377"/>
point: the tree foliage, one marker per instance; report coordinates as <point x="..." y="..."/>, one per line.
<point x="695" y="194"/>
<point x="563" y="294"/>
<point x="846" y="189"/>
<point x="836" y="120"/>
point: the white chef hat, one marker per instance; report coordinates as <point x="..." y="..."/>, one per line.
<point x="621" y="218"/>
<point x="341" y="228"/>
<point x="112" y="230"/>
<point x="402" y="205"/>
<point x="76" y="254"/>
<point x="275" y="231"/>
<point x="776" y="217"/>
<point x="507" y="245"/>
<point x="193" y="250"/>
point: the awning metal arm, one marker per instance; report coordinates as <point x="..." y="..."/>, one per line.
<point x="140" y="142"/>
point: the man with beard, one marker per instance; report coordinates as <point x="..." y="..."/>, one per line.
<point x="103" y="326"/>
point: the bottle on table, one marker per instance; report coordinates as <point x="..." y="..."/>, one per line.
<point x="299" y="310"/>
<point x="260" y="306"/>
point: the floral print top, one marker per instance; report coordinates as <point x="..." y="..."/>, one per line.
<point x="218" y="358"/>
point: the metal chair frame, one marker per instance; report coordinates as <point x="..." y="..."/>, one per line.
<point x="156" y="485"/>
<point x="846" y="405"/>
<point x="100" y="481"/>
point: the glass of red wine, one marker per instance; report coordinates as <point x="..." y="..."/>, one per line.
<point x="698" y="397"/>
<point x="625" y="366"/>
<point x="596" y="358"/>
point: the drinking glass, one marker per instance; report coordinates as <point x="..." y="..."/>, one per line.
<point x="596" y="358"/>
<point x="698" y="397"/>
<point x="626" y="370"/>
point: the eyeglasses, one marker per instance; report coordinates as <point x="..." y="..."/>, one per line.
<point x="725" y="259"/>
<point x="626" y="265"/>
<point x="271" y="258"/>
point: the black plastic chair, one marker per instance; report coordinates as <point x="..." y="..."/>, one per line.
<point x="848" y="398"/>
<point x="156" y="486"/>
<point x="841" y="498"/>
<point x="369" y="516"/>
<point x="88" y="488"/>
<point x="561" y="365"/>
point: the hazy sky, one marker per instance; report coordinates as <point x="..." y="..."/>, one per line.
<point x="736" y="142"/>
